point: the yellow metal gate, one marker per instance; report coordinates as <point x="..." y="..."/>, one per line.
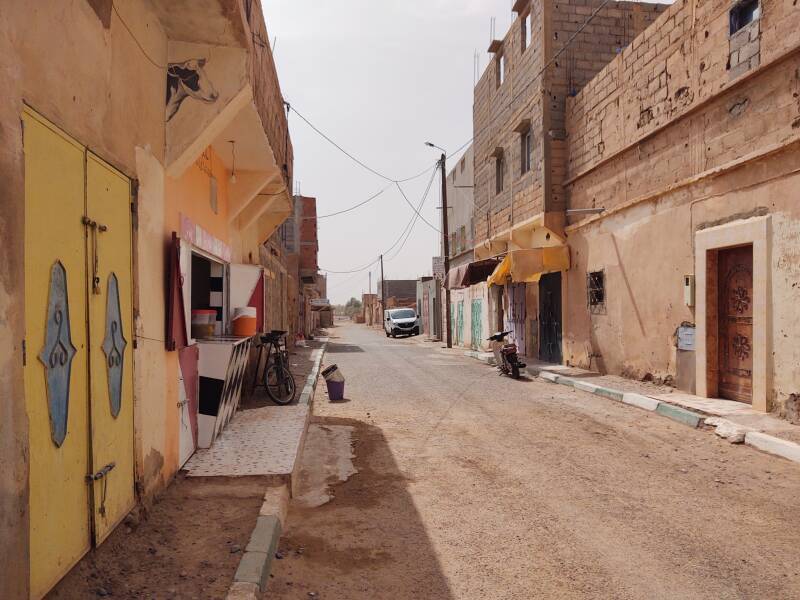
<point x="78" y="371"/>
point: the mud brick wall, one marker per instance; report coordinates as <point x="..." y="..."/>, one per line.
<point x="528" y="93"/>
<point x="682" y="99"/>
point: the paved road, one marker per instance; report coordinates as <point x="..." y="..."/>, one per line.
<point x="471" y="485"/>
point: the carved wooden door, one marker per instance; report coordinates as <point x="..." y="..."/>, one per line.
<point x="736" y="324"/>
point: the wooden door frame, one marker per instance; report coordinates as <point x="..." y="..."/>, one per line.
<point x="708" y="242"/>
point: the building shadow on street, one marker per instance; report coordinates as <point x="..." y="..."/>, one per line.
<point x="368" y="540"/>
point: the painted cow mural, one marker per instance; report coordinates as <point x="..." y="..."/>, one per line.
<point x="188" y="80"/>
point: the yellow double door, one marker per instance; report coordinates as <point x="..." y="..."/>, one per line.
<point x="78" y="349"/>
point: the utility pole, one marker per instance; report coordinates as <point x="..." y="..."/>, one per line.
<point x="446" y="239"/>
<point x="383" y="291"/>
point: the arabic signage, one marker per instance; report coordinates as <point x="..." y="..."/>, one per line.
<point x="200" y="238"/>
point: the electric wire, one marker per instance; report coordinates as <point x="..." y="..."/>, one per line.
<point x="355" y="206"/>
<point x="352" y="157"/>
<point x="135" y="40"/>
<point x="411" y="228"/>
<point x="415" y="210"/>
<point x="403" y="234"/>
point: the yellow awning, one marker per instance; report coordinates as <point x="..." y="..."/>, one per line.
<point x="527" y="266"/>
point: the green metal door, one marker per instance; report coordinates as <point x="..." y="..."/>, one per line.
<point x="452" y="324"/>
<point x="477" y="323"/>
<point x="460" y="325"/>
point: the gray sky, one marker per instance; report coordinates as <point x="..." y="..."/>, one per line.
<point x="380" y="78"/>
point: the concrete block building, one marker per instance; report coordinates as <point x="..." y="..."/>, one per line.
<point x="551" y="51"/>
<point x="688" y="141"/>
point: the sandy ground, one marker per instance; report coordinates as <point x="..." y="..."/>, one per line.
<point x="471" y="485"/>
<point x="188" y="546"/>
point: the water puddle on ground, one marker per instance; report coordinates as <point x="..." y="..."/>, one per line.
<point x="327" y="460"/>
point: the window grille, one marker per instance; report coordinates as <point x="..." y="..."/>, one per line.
<point x="596" y="291"/>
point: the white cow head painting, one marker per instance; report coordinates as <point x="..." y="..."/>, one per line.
<point x="188" y="80"/>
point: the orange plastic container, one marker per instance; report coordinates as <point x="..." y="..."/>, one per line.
<point x="244" y="321"/>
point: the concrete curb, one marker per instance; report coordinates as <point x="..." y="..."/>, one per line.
<point x="307" y="395"/>
<point x="772" y="445"/>
<point x="307" y="399"/>
<point x="484" y="357"/>
<point x="252" y="574"/>
<point x="725" y="429"/>
<point x="681" y="415"/>
<point x="639" y="401"/>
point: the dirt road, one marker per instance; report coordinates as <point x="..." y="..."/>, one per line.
<point x="470" y="485"/>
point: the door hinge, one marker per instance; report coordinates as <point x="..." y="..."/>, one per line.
<point x="24" y="354"/>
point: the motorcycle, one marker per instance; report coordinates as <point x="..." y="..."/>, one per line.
<point x="505" y="355"/>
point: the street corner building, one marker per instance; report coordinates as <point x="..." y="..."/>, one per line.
<point x="146" y="161"/>
<point x="636" y="170"/>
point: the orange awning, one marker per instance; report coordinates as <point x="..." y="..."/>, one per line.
<point x="527" y="266"/>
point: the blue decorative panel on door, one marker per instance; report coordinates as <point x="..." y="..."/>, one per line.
<point x="57" y="353"/>
<point x="114" y="345"/>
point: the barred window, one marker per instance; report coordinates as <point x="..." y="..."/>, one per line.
<point x="596" y="291"/>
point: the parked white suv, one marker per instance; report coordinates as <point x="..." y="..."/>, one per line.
<point x="400" y="321"/>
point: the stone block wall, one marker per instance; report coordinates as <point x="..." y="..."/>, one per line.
<point x="537" y="94"/>
<point x="685" y="61"/>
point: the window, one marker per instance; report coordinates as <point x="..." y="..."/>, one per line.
<point x="525" y="34"/>
<point x="501" y="69"/>
<point x="525" y="152"/>
<point x="452" y="245"/>
<point x="499" y="167"/>
<point x="463" y="163"/>
<point x="743" y="14"/>
<point x="462" y="241"/>
<point x="596" y="291"/>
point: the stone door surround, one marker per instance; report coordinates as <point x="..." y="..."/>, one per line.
<point x="755" y="231"/>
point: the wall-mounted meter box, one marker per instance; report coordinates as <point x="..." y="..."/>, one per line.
<point x="688" y="290"/>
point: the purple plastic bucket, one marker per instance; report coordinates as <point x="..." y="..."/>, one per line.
<point x="335" y="390"/>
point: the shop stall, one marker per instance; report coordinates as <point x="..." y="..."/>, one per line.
<point x="216" y="309"/>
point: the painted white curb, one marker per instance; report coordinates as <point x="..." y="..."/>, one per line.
<point x="773" y="445"/>
<point x="639" y="401"/>
<point x="586" y="387"/>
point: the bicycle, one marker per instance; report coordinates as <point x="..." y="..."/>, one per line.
<point x="277" y="379"/>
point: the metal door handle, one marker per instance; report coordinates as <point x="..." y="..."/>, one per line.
<point x="101" y="473"/>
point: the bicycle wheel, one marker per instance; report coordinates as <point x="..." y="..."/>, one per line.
<point x="280" y="384"/>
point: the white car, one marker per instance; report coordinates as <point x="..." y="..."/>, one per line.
<point x="400" y="321"/>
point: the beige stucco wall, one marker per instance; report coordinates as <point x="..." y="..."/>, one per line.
<point x="13" y="419"/>
<point x="646" y="250"/>
<point x="94" y="83"/>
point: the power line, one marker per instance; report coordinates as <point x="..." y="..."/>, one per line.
<point x="355" y="206"/>
<point x="136" y="41"/>
<point x="415" y="210"/>
<point x="410" y="226"/>
<point x="359" y="270"/>
<point x="411" y="229"/>
<point x="351" y="156"/>
<point x="404" y="234"/>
